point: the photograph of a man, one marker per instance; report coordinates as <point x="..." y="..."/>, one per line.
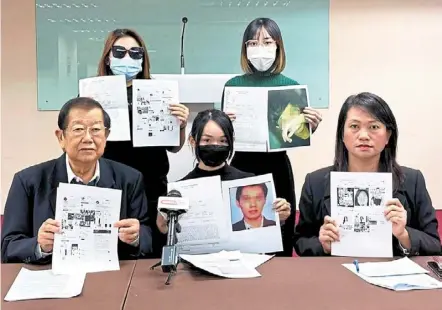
<point x="251" y="200"/>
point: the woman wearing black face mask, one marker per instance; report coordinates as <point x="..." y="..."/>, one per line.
<point x="212" y="138"/>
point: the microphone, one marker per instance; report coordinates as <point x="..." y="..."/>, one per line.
<point x="171" y="207"/>
<point x="184" y="20"/>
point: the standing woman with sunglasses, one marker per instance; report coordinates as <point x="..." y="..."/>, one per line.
<point x="263" y="60"/>
<point x="126" y="54"/>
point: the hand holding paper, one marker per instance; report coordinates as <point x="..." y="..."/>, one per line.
<point x="45" y="237"/>
<point x="328" y="233"/>
<point x="128" y="230"/>
<point x="396" y="214"/>
<point x="231" y="115"/>
<point x="313" y="117"/>
<point x="282" y="207"/>
<point x="162" y="224"/>
<point x="181" y="112"/>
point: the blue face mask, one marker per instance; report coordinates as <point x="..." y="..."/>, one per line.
<point x="126" y="66"/>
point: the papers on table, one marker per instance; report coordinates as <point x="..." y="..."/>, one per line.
<point x="357" y="205"/>
<point x="153" y="124"/>
<point x="268" y="119"/>
<point x="88" y="242"/>
<point x="111" y="93"/>
<point x="44" y="284"/>
<point x="226" y="264"/>
<point x="400" y="267"/>
<point x="216" y="221"/>
<point x="399" y="275"/>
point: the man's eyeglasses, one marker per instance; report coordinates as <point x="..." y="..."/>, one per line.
<point x="94" y="131"/>
<point x="134" y="52"/>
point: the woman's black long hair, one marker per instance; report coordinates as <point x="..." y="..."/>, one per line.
<point x="221" y="119"/>
<point x="380" y="110"/>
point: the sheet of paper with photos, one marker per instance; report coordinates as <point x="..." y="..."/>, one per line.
<point x="357" y="205"/>
<point x="232" y="216"/>
<point x="280" y="109"/>
<point x="152" y="122"/>
<point x="88" y="241"/>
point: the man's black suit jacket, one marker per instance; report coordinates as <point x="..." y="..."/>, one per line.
<point x="241" y="225"/>
<point x="32" y="199"/>
<point x="422" y="225"/>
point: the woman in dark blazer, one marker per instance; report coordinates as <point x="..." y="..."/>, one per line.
<point x="366" y="141"/>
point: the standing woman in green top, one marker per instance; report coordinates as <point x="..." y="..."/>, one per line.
<point x="263" y="59"/>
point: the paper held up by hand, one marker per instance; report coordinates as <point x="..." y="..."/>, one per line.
<point x="44" y="284"/>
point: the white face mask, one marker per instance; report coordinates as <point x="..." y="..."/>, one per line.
<point x="261" y="57"/>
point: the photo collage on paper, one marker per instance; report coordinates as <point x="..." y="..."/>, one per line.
<point x="153" y="107"/>
<point x="358" y="207"/>
<point x="84" y="217"/>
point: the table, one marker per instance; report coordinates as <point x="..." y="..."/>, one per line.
<point x="103" y="290"/>
<point x="286" y="283"/>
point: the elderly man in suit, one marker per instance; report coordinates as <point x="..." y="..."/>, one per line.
<point x="251" y="199"/>
<point x="29" y="226"/>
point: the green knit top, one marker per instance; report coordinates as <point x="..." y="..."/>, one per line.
<point x="261" y="80"/>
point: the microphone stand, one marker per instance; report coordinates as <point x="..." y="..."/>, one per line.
<point x="170" y="259"/>
<point x="172" y="272"/>
<point x="184" y="20"/>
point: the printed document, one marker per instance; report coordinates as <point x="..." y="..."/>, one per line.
<point x="153" y="124"/>
<point x="357" y="205"/>
<point x="45" y="284"/>
<point x="399" y="267"/>
<point x="399" y="275"/>
<point x="88" y="242"/>
<point x="229" y="215"/>
<point x="111" y="93"/>
<point x="233" y="264"/>
<point x="268" y="119"/>
<point x="204" y="228"/>
<point x="251" y="117"/>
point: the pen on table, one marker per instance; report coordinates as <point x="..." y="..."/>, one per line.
<point x="356" y="263"/>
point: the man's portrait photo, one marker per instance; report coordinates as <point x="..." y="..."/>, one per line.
<point x="251" y="208"/>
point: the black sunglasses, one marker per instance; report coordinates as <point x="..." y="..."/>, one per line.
<point x="134" y="52"/>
